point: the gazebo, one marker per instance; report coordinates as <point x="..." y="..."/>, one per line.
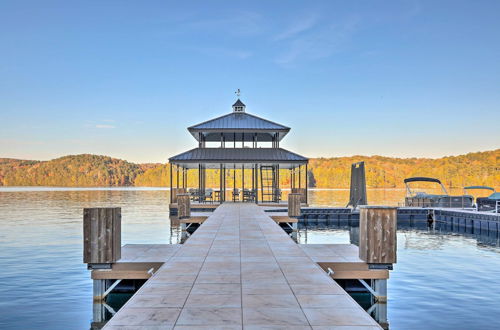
<point x="245" y="147"/>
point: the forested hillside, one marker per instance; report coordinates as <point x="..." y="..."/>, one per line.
<point x="70" y="171"/>
<point x="479" y="168"/>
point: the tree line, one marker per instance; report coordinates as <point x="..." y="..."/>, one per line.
<point x="479" y="168"/>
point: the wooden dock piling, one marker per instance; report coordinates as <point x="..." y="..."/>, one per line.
<point x="302" y="192"/>
<point x="101" y="235"/>
<point x="294" y="200"/>
<point x="175" y="192"/>
<point x="377" y="234"/>
<point x="184" y="206"/>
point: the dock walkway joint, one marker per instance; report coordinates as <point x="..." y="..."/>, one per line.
<point x="240" y="270"/>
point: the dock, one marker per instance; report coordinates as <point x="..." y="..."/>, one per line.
<point x="240" y="269"/>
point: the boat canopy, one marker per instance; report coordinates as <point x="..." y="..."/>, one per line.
<point x="495" y="196"/>
<point x="479" y="187"/>
<point x="421" y="178"/>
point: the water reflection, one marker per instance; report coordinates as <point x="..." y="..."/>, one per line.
<point x="419" y="235"/>
<point x="45" y="285"/>
<point x="444" y="276"/>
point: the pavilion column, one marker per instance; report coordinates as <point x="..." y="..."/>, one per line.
<point x="224" y="187"/>
<point x="253" y="179"/>
<point x="256" y="184"/>
<point x="277" y="183"/>
<point x="177" y="173"/>
<point x="204" y="177"/>
<point x="170" y="182"/>
<point x="220" y="184"/>
<point x="307" y="185"/>
<point x="300" y="179"/>
<point x="199" y="179"/>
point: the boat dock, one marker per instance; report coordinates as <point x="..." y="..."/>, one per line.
<point x="455" y="217"/>
<point x="240" y="269"/>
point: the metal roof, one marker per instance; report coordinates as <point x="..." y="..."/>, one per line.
<point x="238" y="121"/>
<point x="238" y="155"/>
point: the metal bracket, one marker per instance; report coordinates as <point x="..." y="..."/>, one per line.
<point x="99" y="266"/>
<point x="380" y="266"/>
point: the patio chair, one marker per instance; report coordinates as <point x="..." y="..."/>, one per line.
<point x="236" y="194"/>
<point x="248" y="195"/>
<point x="193" y="194"/>
<point x="208" y="195"/>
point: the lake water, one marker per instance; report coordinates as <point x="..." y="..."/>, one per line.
<point x="441" y="281"/>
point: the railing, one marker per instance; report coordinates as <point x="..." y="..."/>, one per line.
<point x="445" y="201"/>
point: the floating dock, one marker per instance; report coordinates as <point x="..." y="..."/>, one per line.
<point x="347" y="216"/>
<point x="240" y="269"/>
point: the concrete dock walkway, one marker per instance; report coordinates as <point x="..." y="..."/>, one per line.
<point x="240" y="270"/>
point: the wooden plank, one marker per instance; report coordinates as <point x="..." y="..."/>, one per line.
<point x="193" y="220"/>
<point x="127" y="271"/>
<point x="282" y="219"/>
<point x="117" y="234"/>
<point x="86" y="236"/>
<point x="354" y="270"/>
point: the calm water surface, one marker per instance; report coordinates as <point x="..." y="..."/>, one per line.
<point x="441" y="280"/>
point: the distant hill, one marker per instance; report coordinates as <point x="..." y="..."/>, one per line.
<point x="479" y="168"/>
<point x="70" y="171"/>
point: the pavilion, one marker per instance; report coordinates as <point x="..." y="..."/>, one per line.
<point x="242" y="146"/>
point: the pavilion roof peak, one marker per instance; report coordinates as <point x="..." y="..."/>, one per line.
<point x="238" y="122"/>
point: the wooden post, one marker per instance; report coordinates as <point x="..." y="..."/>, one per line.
<point x="101" y="235"/>
<point x="377" y="234"/>
<point x="176" y="192"/>
<point x="307" y="186"/>
<point x="183" y="206"/>
<point x="294" y="205"/>
<point x="173" y="195"/>
<point x="171" y="183"/>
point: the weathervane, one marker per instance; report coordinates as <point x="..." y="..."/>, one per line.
<point x="237" y="92"/>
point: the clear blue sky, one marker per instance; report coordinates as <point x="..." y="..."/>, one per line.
<point x="125" y="78"/>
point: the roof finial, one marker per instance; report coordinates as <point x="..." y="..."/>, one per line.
<point x="237" y="93"/>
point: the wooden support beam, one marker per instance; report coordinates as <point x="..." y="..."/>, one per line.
<point x="127" y="271"/>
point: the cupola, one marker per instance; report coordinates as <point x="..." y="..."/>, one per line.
<point x="239" y="106"/>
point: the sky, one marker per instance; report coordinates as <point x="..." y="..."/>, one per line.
<point x="126" y="78"/>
